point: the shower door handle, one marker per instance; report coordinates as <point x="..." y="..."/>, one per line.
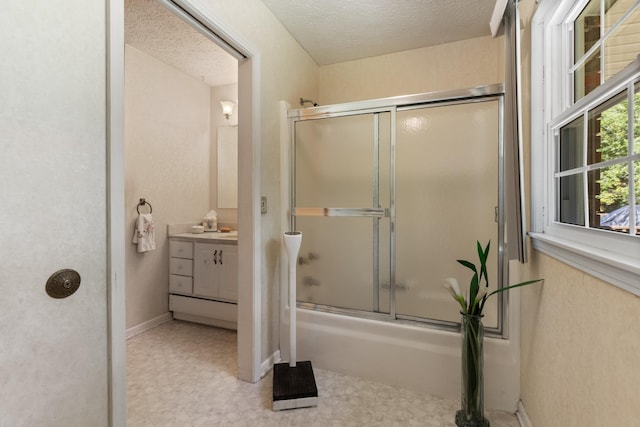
<point x="373" y="212"/>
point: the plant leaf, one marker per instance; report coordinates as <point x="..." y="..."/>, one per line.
<point x="468" y="265"/>
<point x="528" y="282"/>
<point x="480" y="252"/>
<point x="483" y="255"/>
<point x="484" y="299"/>
<point x="473" y="292"/>
<point x="479" y="301"/>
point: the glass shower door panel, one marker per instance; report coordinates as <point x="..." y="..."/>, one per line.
<point x="341" y="256"/>
<point x="335" y="265"/>
<point x="446" y="194"/>
<point x="334" y="162"/>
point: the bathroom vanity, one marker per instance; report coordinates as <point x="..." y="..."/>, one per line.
<point x="203" y="278"/>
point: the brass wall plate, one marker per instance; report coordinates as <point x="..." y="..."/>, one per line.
<point x="63" y="283"/>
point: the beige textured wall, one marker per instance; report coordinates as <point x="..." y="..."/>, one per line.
<point x="287" y="73"/>
<point x="579" y="349"/>
<point x="580" y="343"/>
<point x="167" y="142"/>
<point x="456" y="65"/>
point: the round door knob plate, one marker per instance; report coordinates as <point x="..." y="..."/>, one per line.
<point x="63" y="283"/>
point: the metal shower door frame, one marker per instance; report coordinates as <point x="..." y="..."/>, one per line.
<point x="392" y="105"/>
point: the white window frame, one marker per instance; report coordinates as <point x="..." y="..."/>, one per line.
<point x="612" y="257"/>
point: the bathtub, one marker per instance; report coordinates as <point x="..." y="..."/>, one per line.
<point x="410" y="356"/>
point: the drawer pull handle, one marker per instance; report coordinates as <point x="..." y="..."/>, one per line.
<point x="215" y="253"/>
<point x="220" y="257"/>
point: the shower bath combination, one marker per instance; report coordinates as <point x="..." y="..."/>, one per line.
<point x="388" y="194"/>
<point x="406" y="185"/>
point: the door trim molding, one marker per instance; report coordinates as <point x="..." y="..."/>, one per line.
<point x="116" y="325"/>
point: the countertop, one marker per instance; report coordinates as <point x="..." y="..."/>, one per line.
<point x="230" y="238"/>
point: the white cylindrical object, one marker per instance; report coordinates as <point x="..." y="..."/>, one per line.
<point x="292" y="242"/>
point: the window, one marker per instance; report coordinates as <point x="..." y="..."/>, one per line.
<point x="604" y="40"/>
<point x="594" y="162"/>
<point x="586" y="136"/>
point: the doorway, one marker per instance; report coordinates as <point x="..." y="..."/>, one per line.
<point x="175" y="80"/>
<point x="249" y="328"/>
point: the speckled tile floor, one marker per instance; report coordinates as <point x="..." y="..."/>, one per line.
<point x="184" y="374"/>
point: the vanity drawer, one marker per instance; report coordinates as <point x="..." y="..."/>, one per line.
<point x="180" y="249"/>
<point x="180" y="284"/>
<point x="181" y="266"/>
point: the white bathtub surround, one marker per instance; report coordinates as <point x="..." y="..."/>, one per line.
<point x="406" y="355"/>
<point x="186" y="374"/>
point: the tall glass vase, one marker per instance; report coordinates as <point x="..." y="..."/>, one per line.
<point x="472" y="412"/>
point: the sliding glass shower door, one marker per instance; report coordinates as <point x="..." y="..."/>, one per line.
<point x="388" y="198"/>
<point x="446" y="200"/>
<point x="342" y="196"/>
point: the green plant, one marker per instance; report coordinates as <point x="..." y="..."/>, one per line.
<point x="479" y="286"/>
<point x="472" y="412"/>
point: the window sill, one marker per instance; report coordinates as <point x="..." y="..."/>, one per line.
<point x="621" y="271"/>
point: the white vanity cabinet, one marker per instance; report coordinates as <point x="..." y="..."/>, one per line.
<point x="216" y="271"/>
<point x="180" y="267"/>
<point x="203" y="279"/>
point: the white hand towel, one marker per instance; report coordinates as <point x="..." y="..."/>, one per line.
<point x="143" y="235"/>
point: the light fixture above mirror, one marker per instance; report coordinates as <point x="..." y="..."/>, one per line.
<point x="227" y="108"/>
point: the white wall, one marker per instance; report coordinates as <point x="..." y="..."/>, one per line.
<point x="167" y="150"/>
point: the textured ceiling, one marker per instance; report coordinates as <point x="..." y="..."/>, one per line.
<point x="151" y="28"/>
<point x="329" y="30"/>
<point x="337" y="30"/>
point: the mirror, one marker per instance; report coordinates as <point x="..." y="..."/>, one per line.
<point x="228" y="167"/>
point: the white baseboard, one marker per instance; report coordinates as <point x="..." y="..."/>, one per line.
<point x="267" y="364"/>
<point x="149" y="324"/>
<point x="523" y="418"/>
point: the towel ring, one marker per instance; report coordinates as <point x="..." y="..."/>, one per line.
<point x="142" y="203"/>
